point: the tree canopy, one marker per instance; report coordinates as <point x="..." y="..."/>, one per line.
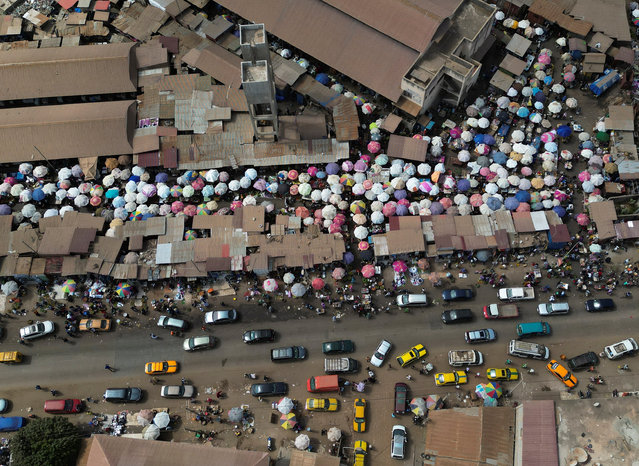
<point x="53" y="441"/>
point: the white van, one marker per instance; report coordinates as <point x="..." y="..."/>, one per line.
<point x="408" y="300"/>
<point x="524" y="349"/>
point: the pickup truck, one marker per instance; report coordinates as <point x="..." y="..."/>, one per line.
<point x="516" y="294"/>
<point x="501" y="311"/>
<point x="622" y="348"/>
<point x="465" y="358"/>
<point x="334" y="365"/>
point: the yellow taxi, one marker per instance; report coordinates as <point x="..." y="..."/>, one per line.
<point x="161" y="367"/>
<point x="412" y="355"/>
<point x="321" y="404"/>
<point x="361" y="450"/>
<point x="505" y="373"/>
<point x="562" y="373"/>
<point x="451" y="378"/>
<point x="359" y="415"/>
<point x="104" y="325"/>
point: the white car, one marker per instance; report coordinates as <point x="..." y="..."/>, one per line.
<point x="398" y="442"/>
<point x="380" y="353"/>
<point x="622" y="348"/>
<point x="172" y="322"/>
<point x="177" y="391"/>
<point x="39" y="329"/>
<point x="552" y="309"/>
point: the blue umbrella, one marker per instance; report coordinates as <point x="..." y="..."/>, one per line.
<point x="119" y="202"/>
<point x="401" y="209"/>
<point x="537" y="206"/>
<point x="436" y="208"/>
<point x="38" y="194"/>
<point x="332" y="168"/>
<point x="208" y="191"/>
<point x="564" y="131"/>
<point x="523" y="112"/>
<point x="548" y="80"/>
<point x="479" y="139"/>
<point x="400" y="194"/>
<point x="322" y="78"/>
<point x="489" y="140"/>
<point x="348" y="258"/>
<point x="500" y="158"/>
<point x="539" y="105"/>
<point x="523" y="196"/>
<point x="112" y="193"/>
<point x="540" y="97"/>
<point x="161" y="177"/>
<point x="551" y="146"/>
<point x="463" y="185"/>
<point x="560" y="211"/>
<point x="536" y="143"/>
<point x="493" y="203"/>
<point x="321" y="175"/>
<point x="535" y="90"/>
<point x="5" y="209"/>
<point x="135" y="178"/>
<point x="576" y="54"/>
<point x="511" y="203"/>
<point x="588" y="145"/>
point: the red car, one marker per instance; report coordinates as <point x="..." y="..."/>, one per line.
<point x="68" y="406"/>
<point x="401" y="398"/>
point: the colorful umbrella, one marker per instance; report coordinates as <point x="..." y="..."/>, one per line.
<point x="123" y="290"/>
<point x="189" y="235"/>
<point x="368" y="271"/>
<point x="400" y="266"/>
<point x="431" y="401"/>
<point x="583" y="219"/>
<point x="288" y="421"/>
<point x="270" y="285"/>
<point x="69" y="286"/>
<point x="418" y="406"/>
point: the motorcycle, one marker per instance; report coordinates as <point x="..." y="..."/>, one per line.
<point x="270" y="444"/>
<point x="250" y="376"/>
<point x="598" y="380"/>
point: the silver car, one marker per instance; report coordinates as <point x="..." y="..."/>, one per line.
<point x="398" y="442"/>
<point x="177" y="391"/>
<point x="377" y="359"/>
<point x="39" y="329"/>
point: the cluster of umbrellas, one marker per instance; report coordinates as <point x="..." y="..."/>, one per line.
<point x="489" y="392"/>
<point x="418" y="406"/>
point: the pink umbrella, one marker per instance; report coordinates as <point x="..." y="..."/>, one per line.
<point x="236" y="205"/>
<point x="347" y="165"/>
<point x="366" y="158"/>
<point x="363" y="245"/>
<point x="491" y="176"/>
<point x="583" y="220"/>
<point x="368" y="184"/>
<point x="404" y="202"/>
<point x="177" y="207"/>
<point x="338" y="273"/>
<point x="11" y="180"/>
<point x="455" y="132"/>
<point x="560" y="195"/>
<point x="484" y="171"/>
<point x="361" y="166"/>
<point x="476" y="200"/>
<point x="292" y="175"/>
<point x="526" y="171"/>
<point x="198" y="184"/>
<point x="400" y="266"/>
<point x="569" y="77"/>
<point x="523" y="207"/>
<point x="318" y="214"/>
<point x="96" y="201"/>
<point x="446" y="202"/>
<point x="190" y="210"/>
<point x="294" y="189"/>
<point x="389" y="209"/>
<point x="317" y="283"/>
<point x="270" y="285"/>
<point x="584" y="176"/>
<point x="544" y="59"/>
<point x="374" y="147"/>
<point x="312" y="170"/>
<point x="334" y="228"/>
<point x="368" y="271"/>
<point x="548" y="136"/>
<point x="425" y="186"/>
<point x="340" y="219"/>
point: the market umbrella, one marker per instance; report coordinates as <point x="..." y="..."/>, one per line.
<point x="334" y="434"/>
<point x="288" y="421"/>
<point x="10" y="288"/>
<point x="298" y="290"/>
<point x="564" y="131"/>
<point x="583" y="219"/>
<point x="162" y="419"/>
<point x="338" y="273"/>
<point x="317" y="283"/>
<point x="270" y="285"/>
<point x="151" y="432"/>
<point x="400" y="266"/>
<point x="368" y="271"/>
<point x="235" y="414"/>
<point x="69" y="286"/>
<point x="123" y="290"/>
<point x="602" y="136"/>
<point x="285" y="405"/>
<point x="431" y="401"/>
<point x="418" y="406"/>
<point x="302" y="442"/>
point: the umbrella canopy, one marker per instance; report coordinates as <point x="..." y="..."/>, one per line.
<point x="162" y="419"/>
<point x="69" y="286"/>
<point x="235" y="414"/>
<point x="318" y="283"/>
<point x="123" y="290"/>
<point x="302" y="442"/>
<point x="288" y="421"/>
<point x="338" y="273"/>
<point x="10" y="288"/>
<point x="334" y="434"/>
<point x="285" y="405"/>
<point x="418" y="406"/>
<point x="400" y="266"/>
<point x="583" y="219"/>
<point x="151" y="432"/>
<point x="298" y="290"/>
<point x="368" y="271"/>
<point x="270" y="285"/>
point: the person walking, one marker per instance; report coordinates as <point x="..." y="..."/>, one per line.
<point x="109" y="368"/>
<point x="38" y="387"/>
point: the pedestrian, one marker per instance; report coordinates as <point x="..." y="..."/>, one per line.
<point x="154" y="336"/>
<point x="183" y="381"/>
<point x="390" y="366"/>
<point x="38" y="387"/>
<point x="109" y="368"/>
<point x="467" y="369"/>
<point x="204" y="328"/>
<point x="54" y="392"/>
<point x="409" y="377"/>
<point x="393" y="414"/>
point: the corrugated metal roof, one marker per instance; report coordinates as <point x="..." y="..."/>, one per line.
<point x="65" y="131"/>
<point x="342" y="42"/>
<point x="404" y="147"/>
<point x="539" y="434"/>
<point x="346" y="120"/>
<point x="66" y="71"/>
<point x="217" y="62"/>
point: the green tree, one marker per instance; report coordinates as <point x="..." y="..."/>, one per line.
<point x="51" y="441"/>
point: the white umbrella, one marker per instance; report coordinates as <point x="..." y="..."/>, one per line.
<point x="334" y="434"/>
<point x="466" y="136"/>
<point x="600" y="126"/>
<point x="491" y="188"/>
<point x="423" y="169"/>
<point x="50" y="213"/>
<point x="245" y="182"/>
<point x="460" y="199"/>
<point x="316" y="195"/>
<point x="583" y="137"/>
<point x="463" y="156"/>
<point x="329" y="212"/>
<point x="554" y="107"/>
<point x="500" y="15"/>
<point x="518" y="135"/>
<point x="472" y="122"/>
<point x="285" y="405"/>
<point x="151" y="432"/>
<point x="10" y="287"/>
<point x="162" y="419"/>
<point x="503" y="183"/>
<point x="558" y="88"/>
<point x="269" y="285"/>
<point x="73" y="192"/>
<point x="302" y="442"/>
<point x="130" y="197"/>
<point x="212" y="176"/>
<point x="561" y="42"/>
<point x="288" y="278"/>
<point x="298" y="290"/>
<point x="64" y="174"/>
<point x="512" y="92"/>
<point x="412" y="185"/>
<point x="249" y="200"/>
<point x="81" y="201"/>
<point x="513" y="180"/>
<point x="571" y="102"/>
<point x="360" y="232"/>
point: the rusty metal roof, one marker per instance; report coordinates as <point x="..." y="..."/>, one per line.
<point x="539" y="434"/>
<point x="346" y="120"/>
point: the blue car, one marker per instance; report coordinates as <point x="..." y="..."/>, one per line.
<point x="457" y="294"/>
<point x="8" y="424"/>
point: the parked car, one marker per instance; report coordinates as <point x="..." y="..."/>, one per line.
<point x="198" y="343"/>
<point x="412" y="355"/>
<point x="599" y="305"/>
<point x="625" y="347"/>
<point x="410" y="300"/>
<point x="338" y="346"/>
<point x="39" y="329"/>
<point x="68" y="406"/>
<point x="321" y="404"/>
<point x="401" y="398"/>
<point x="9" y="424"/>
<point x="288" y="353"/>
<point x="269" y="389"/>
<point x="161" y="367"/>
<point x="455" y="316"/>
<point x="177" y="391"/>
<point x="377" y="359"/>
<point x="103" y="325"/>
<point x="506" y="373"/>
<point x="457" y="294"/>
<point x="398" y="442"/>
<point x="359" y="415"/>
<point x="583" y="361"/>
<point x="451" y="378"/>
<point x="122" y="395"/>
<point x="480" y="336"/>
<point x="4" y="405"/>
<point x="562" y="373"/>
<point x="172" y="323"/>
<point x="224" y="316"/>
<point x="258" y="336"/>
<point x="553" y="309"/>
<point x="360" y="451"/>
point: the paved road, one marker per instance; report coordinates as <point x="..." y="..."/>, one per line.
<point x="77" y="369"/>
